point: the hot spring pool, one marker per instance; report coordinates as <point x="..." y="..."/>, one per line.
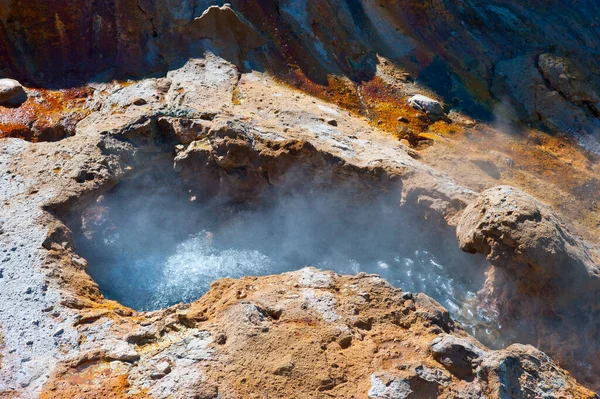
<point x="150" y="247"/>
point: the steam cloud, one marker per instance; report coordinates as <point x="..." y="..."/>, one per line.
<point x="149" y="246"/>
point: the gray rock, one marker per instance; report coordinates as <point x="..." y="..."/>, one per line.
<point x="458" y="355"/>
<point x="428" y="105"/>
<point x="567" y="78"/>
<point x="387" y="386"/>
<point x="434" y="375"/>
<point x="530" y="92"/>
<point x="422" y="382"/>
<point x="514" y="83"/>
<point x="522" y="371"/>
<point x="11" y="93"/>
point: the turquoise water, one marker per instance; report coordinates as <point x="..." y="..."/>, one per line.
<point x="151" y="248"/>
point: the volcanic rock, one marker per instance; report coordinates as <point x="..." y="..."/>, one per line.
<point x="428" y="105"/>
<point x="458" y="355"/>
<point x="228" y="30"/>
<point x="384" y="386"/>
<point x="231" y="118"/>
<point x="530" y="242"/>
<point x="11" y="93"/>
<point x="568" y="79"/>
<point x="544" y="280"/>
<point x="512" y="372"/>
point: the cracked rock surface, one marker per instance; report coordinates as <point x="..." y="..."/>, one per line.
<point x="211" y="109"/>
<point x="306" y="333"/>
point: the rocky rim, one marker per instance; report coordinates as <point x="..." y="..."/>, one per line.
<point x="308" y="333"/>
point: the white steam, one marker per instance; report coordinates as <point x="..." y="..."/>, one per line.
<point x="149" y="247"/>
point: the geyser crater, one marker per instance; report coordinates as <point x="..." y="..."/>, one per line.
<point x="151" y="243"/>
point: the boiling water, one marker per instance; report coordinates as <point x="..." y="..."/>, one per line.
<point x="151" y="249"/>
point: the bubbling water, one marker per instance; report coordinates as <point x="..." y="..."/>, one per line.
<point x="151" y="247"/>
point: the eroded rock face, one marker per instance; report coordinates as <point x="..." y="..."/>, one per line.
<point x="304" y="333"/>
<point x="466" y="48"/>
<point x="544" y="280"/>
<point x="567" y="78"/>
<point x="550" y="89"/>
<point x="511" y="373"/>
<point x="362" y="334"/>
<point x="528" y="240"/>
<point x="307" y="333"/>
<point x="76" y="327"/>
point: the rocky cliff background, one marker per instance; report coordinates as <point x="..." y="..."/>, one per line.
<point x="476" y="54"/>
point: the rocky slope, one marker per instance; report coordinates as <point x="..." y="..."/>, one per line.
<point x="309" y="334"/>
<point x="538" y="61"/>
<point x="278" y="95"/>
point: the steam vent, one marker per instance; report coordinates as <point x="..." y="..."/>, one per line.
<point x="299" y="199"/>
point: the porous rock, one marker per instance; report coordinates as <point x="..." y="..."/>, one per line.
<point x="317" y="310"/>
<point x="529" y="241"/>
<point x="458" y="355"/>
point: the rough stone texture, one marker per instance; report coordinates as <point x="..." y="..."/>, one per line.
<point x="513" y="373"/>
<point x="544" y="282"/>
<point x="389" y="52"/>
<point x="12" y="93"/>
<point x="550" y="90"/>
<point x="455" y="50"/>
<point x="459" y="356"/>
<point x="384" y="386"/>
<point x="316" y="332"/>
<point x="528" y="240"/>
<point x="568" y="79"/>
<point x="428" y="105"/>
<point x="46" y="115"/>
<point x="295" y="351"/>
<point x="65" y="317"/>
<point x="231" y="128"/>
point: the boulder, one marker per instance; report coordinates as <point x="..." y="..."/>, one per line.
<point x="457" y="355"/>
<point x="232" y="34"/>
<point x="530" y="242"/>
<point x="544" y="281"/>
<point x="428" y="105"/>
<point x="11" y="93"/>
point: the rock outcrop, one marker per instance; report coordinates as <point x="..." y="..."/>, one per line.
<point x="363" y="335"/>
<point x="530" y="242"/>
<point x="220" y="118"/>
<point x="546" y="280"/>
<point x="569" y="80"/>
<point x="454" y="50"/>
<point x="307" y="333"/>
